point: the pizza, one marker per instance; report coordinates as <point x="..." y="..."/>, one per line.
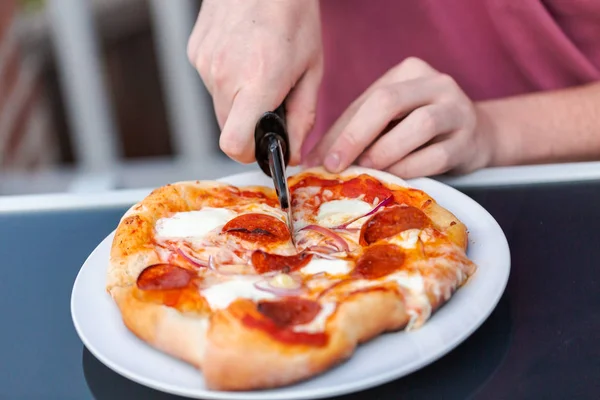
<point x="209" y="273"/>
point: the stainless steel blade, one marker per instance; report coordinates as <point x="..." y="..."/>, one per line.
<point x="277" y="169"/>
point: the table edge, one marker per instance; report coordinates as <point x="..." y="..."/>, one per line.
<point x="489" y="178"/>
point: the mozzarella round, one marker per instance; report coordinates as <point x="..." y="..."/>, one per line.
<point x="337" y="212"/>
<point x="331" y="267"/>
<point x="193" y="224"/>
<point x="221" y="295"/>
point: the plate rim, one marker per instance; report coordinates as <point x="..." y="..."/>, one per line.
<point x="312" y="393"/>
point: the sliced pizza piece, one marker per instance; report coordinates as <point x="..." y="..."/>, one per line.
<point x="406" y="238"/>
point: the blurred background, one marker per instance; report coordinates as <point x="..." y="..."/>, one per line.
<point x="99" y="94"/>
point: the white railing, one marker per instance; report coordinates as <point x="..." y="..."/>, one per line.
<point x="89" y="111"/>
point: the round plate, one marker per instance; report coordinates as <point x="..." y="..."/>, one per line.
<point x="99" y="324"/>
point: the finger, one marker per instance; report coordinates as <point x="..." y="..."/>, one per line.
<point x="435" y="159"/>
<point x="195" y="39"/>
<point x="418" y="128"/>
<point x="237" y="136"/>
<point x="384" y="105"/>
<point x="317" y="154"/>
<point x="411" y="68"/>
<point x="301" y="107"/>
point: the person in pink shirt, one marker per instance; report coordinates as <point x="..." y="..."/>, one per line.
<point x="414" y="87"/>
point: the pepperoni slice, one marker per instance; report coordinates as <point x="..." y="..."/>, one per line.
<point x="259" y="228"/>
<point x="289" y="312"/>
<point x="379" y="260"/>
<point x="367" y="186"/>
<point x="265" y="262"/>
<point x="392" y="221"/>
<point x="164" y="277"/>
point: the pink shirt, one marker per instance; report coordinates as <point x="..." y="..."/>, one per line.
<point x="493" y="48"/>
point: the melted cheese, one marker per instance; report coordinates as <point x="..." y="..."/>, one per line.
<point x="407" y="239"/>
<point x="331" y="267"/>
<point x="283" y="281"/>
<point x="318" y="323"/>
<point x="417" y="304"/>
<point x="337" y="212"/>
<point x="413" y="282"/>
<point x="221" y="295"/>
<point x="193" y="224"/>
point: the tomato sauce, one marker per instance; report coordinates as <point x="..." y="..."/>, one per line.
<point x="286" y="335"/>
<point x="172" y="286"/>
<point x="363" y="185"/>
<point x="259" y="195"/>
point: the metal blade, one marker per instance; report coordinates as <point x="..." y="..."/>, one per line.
<point x="277" y="169"/>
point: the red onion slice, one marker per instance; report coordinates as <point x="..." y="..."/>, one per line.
<point x="322" y="255"/>
<point x="193" y="260"/>
<point x="346" y="229"/>
<point x="323" y="249"/>
<point x="203" y="264"/>
<point x="384" y="203"/>
<point x="266" y="286"/>
<point x="211" y="263"/>
<point x="213" y="267"/>
<point x="339" y="241"/>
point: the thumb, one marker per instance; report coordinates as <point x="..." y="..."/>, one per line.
<point x="301" y="106"/>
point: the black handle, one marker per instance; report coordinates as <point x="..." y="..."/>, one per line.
<point x="271" y="123"/>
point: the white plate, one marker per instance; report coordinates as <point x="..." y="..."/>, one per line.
<point x="388" y="357"/>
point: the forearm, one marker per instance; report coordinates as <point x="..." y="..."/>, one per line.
<point x="557" y="126"/>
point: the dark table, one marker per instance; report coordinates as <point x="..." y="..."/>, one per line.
<point x="541" y="342"/>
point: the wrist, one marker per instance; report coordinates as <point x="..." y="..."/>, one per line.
<point x="501" y="137"/>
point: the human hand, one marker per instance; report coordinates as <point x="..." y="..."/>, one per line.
<point x="414" y="121"/>
<point x="253" y="54"/>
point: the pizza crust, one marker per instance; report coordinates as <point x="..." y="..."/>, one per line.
<point x="241" y="358"/>
<point x="248" y="359"/>
<point x="165" y="328"/>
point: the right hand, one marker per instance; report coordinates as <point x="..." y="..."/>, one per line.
<point x="252" y="55"/>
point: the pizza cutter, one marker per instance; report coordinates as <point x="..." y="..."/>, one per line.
<point x="271" y="150"/>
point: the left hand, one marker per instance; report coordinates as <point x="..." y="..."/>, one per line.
<point x="437" y="132"/>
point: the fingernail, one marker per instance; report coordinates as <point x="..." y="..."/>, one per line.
<point x="366" y="162"/>
<point x="332" y="162"/>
